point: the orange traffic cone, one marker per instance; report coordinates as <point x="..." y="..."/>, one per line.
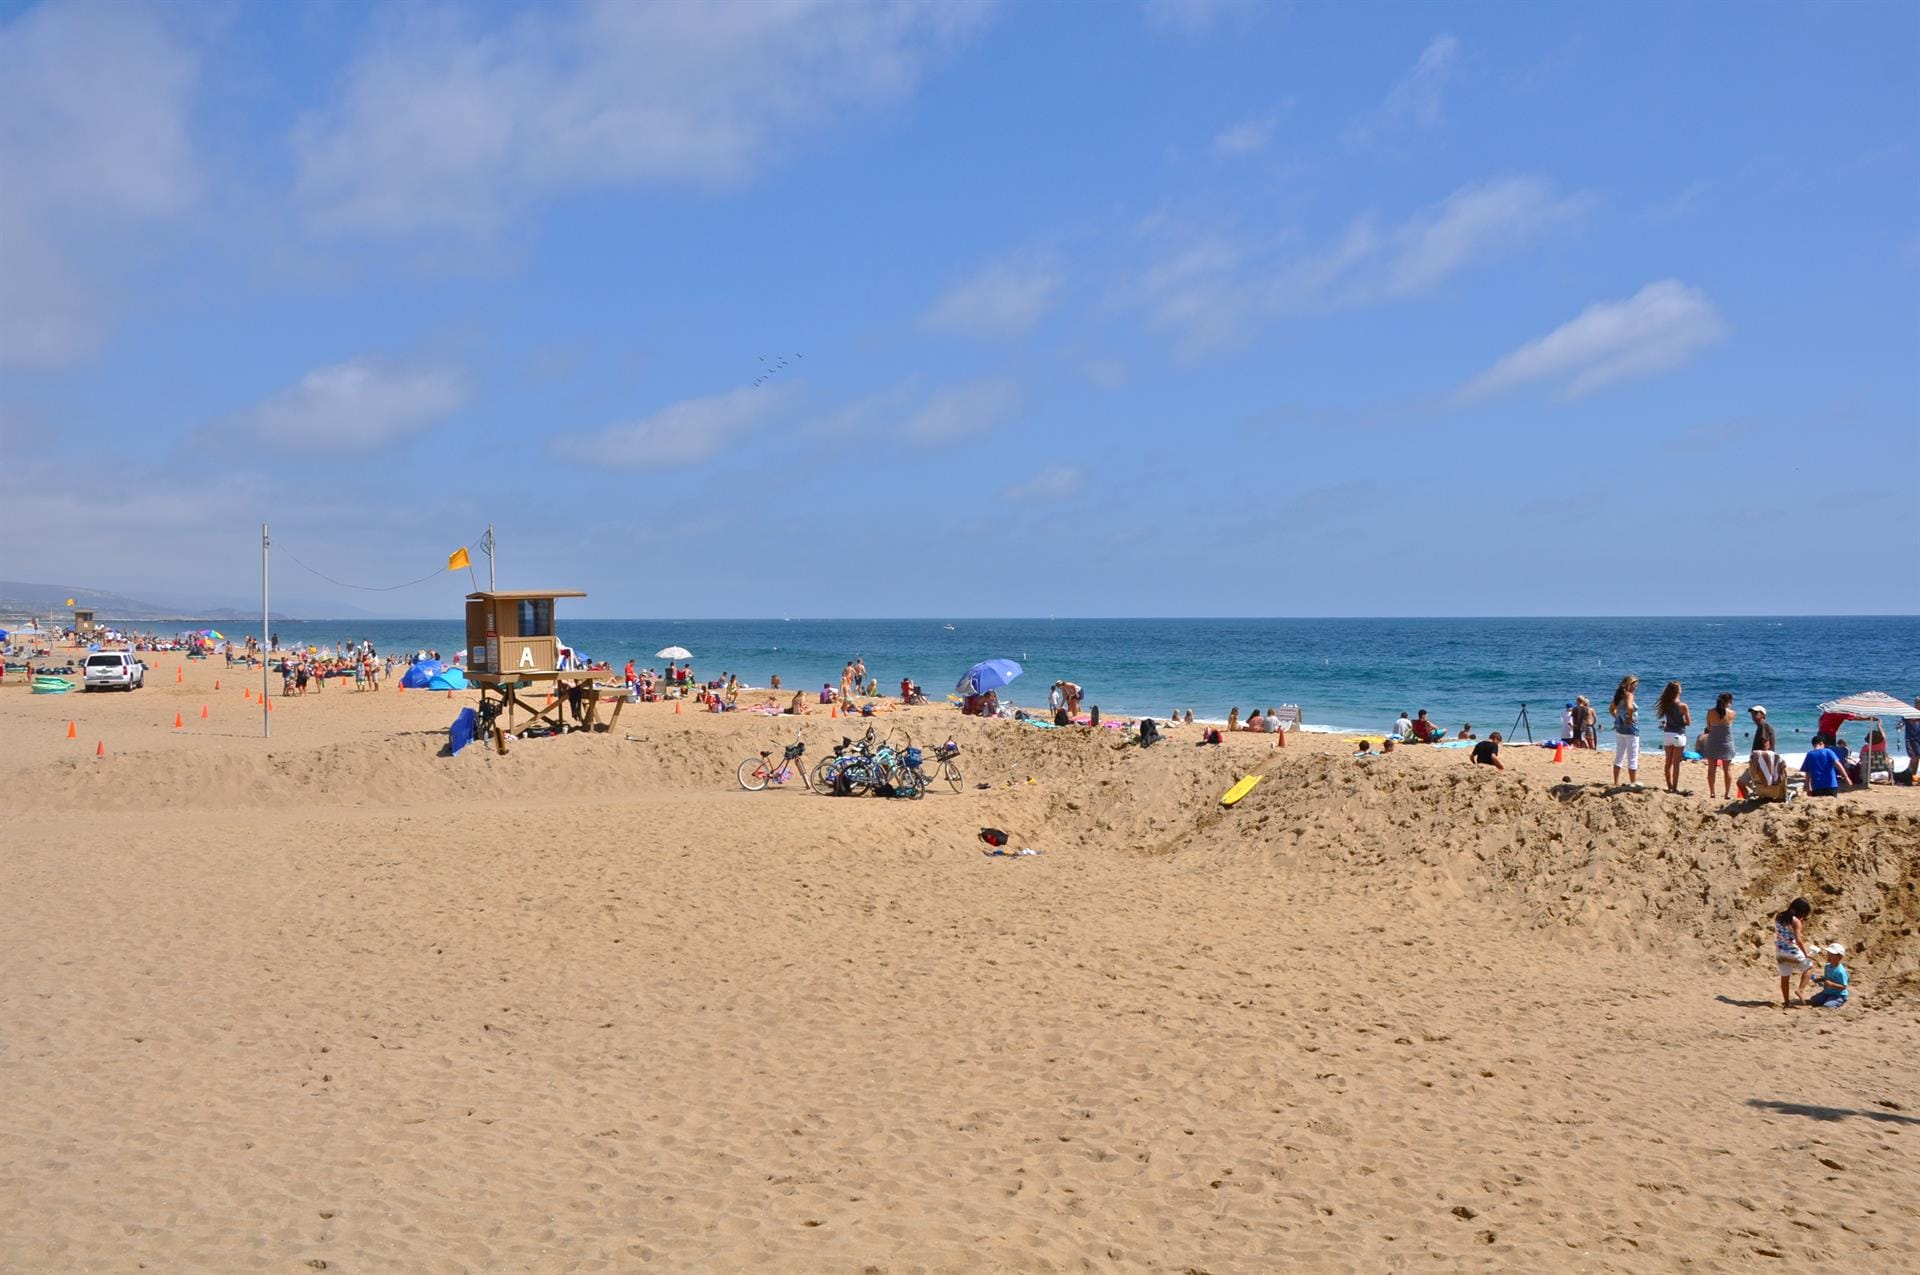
<point x="100" y="749"/>
<point x="72" y="732"/>
<point x="216" y="683"/>
<point x="177" y="722"/>
<point x="1559" y="752"/>
<point x="1280" y="739"/>
<point x="834" y="711"/>
<point x="179" y="675"/>
<point x="676" y="708"/>
<point x="269" y="704"/>
<point x="449" y="694"/>
<point x="203" y="712"/>
<point x="246" y="693"/>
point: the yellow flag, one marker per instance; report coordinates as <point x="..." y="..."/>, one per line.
<point x="458" y="559"/>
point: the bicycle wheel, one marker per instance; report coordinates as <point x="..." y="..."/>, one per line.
<point x="952" y="772"/>
<point x="821" y="781"/>
<point x="910" y="781"/>
<point x="753" y="774"/>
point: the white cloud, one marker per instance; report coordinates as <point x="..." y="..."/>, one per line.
<point x="1659" y="328"/>
<point x="1245" y="137"/>
<point x="1476" y="223"/>
<point x="959" y="411"/>
<point x="360" y="405"/>
<point x="1055" y="482"/>
<point x="1211" y="288"/>
<point x="682" y="433"/>
<point x="1413" y="103"/>
<point x="94" y="147"/>
<point x="443" y="127"/>
<point x="1003" y="300"/>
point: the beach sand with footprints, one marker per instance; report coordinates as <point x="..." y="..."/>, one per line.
<point x="338" y="1001"/>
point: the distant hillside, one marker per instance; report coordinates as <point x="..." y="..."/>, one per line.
<point x="50" y="600"/>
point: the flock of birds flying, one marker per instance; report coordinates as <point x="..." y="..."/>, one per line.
<point x="769" y="370"/>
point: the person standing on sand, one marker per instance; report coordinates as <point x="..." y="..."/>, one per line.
<point x="1790" y="950"/>
<point x="1585" y="734"/>
<point x="1675" y="717"/>
<point x="1626" y="731"/>
<point x="1719" y="749"/>
<point x="1566" y="724"/>
<point x="1911" y="728"/>
<point x="1073" y="693"/>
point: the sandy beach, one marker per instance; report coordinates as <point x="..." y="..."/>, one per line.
<point x="337" y="1001"/>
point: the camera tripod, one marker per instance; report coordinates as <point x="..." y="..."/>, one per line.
<point x="1522" y="721"/>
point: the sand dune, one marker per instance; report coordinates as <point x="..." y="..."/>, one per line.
<point x="340" y="999"/>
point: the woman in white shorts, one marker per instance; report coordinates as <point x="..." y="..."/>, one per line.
<point x="1675" y="718"/>
<point x="1626" y="731"/>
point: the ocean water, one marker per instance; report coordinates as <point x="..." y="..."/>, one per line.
<point x="1349" y="675"/>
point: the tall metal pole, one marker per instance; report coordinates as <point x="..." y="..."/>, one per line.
<point x="491" y="586"/>
<point x="266" y="638"/>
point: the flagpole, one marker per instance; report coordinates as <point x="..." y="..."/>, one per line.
<point x="266" y="639"/>
<point x="491" y="586"/>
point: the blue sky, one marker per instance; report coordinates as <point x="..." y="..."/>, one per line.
<point x="1158" y="309"/>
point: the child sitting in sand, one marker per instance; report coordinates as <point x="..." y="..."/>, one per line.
<point x="1487" y="752"/>
<point x="1833" y="980"/>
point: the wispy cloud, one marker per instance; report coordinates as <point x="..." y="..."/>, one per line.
<point x="1055" y="482"/>
<point x="961" y="411"/>
<point x="360" y="405"/>
<point x="1005" y="299"/>
<point x="1416" y="102"/>
<point x="94" y="146"/>
<point x="446" y="126"/>
<point x="1209" y="289"/>
<point x="1661" y="327"/>
<point x="1245" y="137"/>
<point x="682" y="433"/>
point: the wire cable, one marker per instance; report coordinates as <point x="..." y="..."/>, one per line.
<point x="364" y="588"/>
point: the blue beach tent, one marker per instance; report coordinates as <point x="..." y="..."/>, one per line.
<point x="417" y="677"/>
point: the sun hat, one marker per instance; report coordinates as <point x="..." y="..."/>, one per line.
<point x="1836" y="949"/>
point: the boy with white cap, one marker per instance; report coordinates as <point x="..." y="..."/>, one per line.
<point x="1833" y="980"/>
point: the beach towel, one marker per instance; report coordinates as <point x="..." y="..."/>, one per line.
<point x="1768" y="769"/>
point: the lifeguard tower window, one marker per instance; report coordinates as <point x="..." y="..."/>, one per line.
<point x="536" y="617"/>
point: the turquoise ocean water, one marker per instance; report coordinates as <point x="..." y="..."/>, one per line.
<point x="1345" y="674"/>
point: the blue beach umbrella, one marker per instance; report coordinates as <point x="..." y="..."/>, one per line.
<point x="988" y="675"/>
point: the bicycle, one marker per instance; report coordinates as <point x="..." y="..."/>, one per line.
<point x="757" y="772"/>
<point x="944" y="765"/>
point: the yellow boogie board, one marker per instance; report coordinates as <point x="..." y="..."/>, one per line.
<point x="1241" y="789"/>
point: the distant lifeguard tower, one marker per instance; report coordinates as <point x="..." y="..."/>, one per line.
<point x="512" y="645"/>
<point x="82" y="622"/>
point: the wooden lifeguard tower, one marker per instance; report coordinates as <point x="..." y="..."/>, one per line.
<point x="82" y="622"/>
<point x="512" y="645"/>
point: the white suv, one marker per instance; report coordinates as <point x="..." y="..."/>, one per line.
<point x="108" y="669"/>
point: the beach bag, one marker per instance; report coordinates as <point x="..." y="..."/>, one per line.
<point x="993" y="837"/>
<point x="842" y="784"/>
<point x="1149" y="733"/>
<point x="1060" y="717"/>
<point x="912" y="758"/>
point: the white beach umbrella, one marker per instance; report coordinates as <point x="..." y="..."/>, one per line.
<point x="673" y="653"/>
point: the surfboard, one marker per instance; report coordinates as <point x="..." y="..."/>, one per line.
<point x="1241" y="789"/>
